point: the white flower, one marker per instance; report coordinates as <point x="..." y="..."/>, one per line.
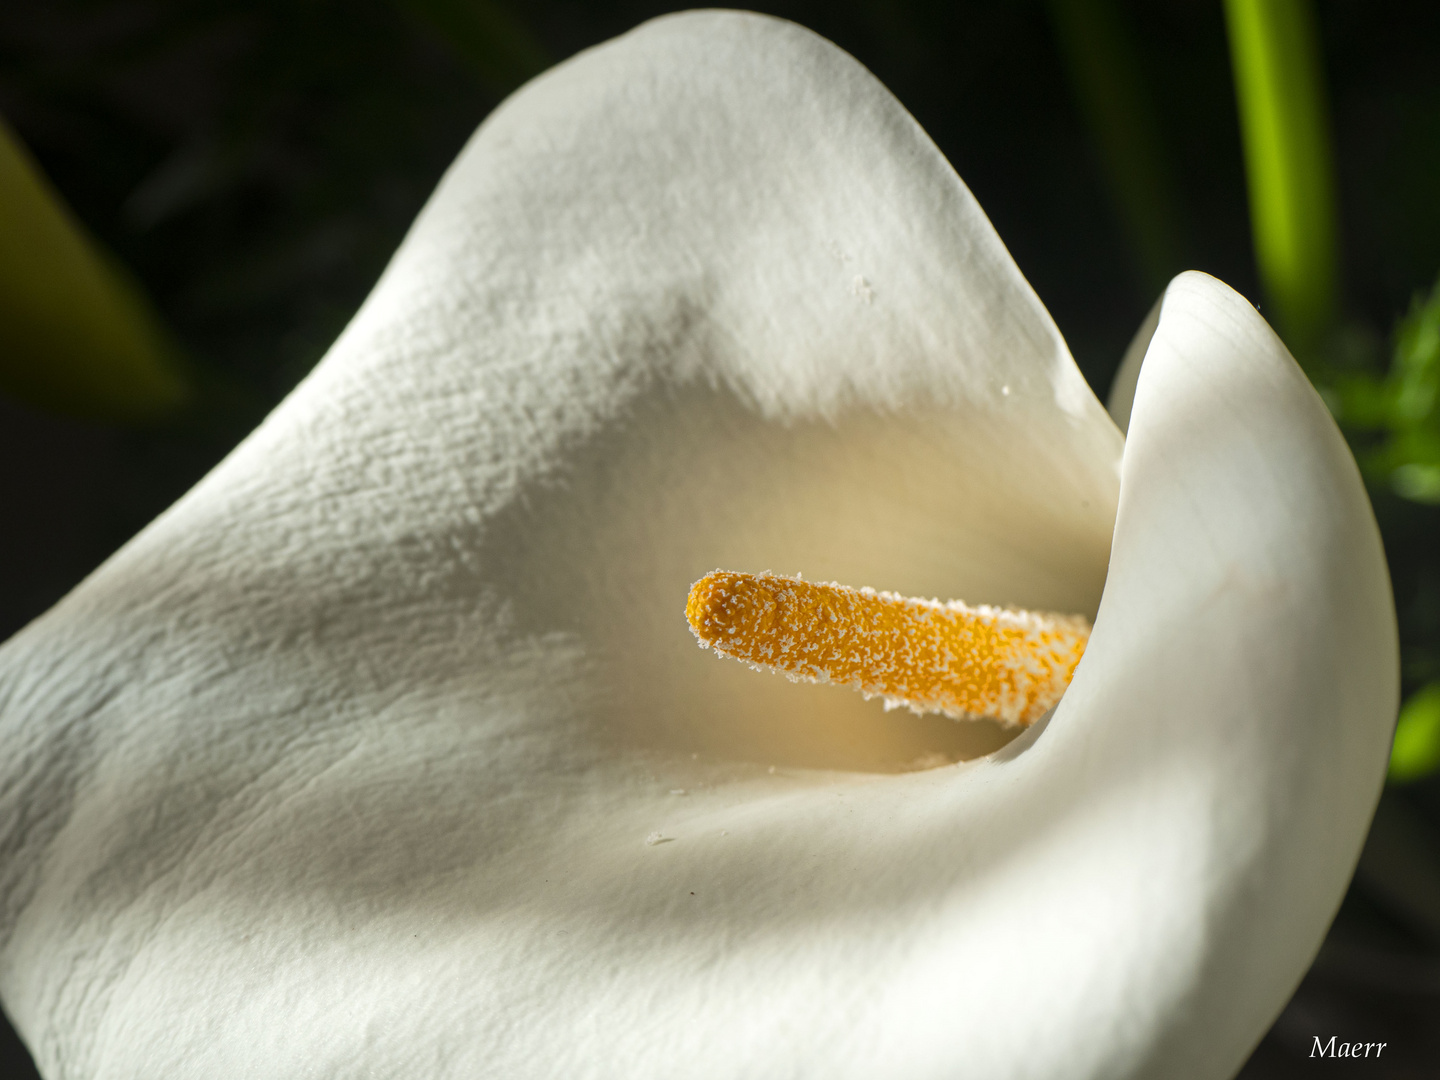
<point x="363" y="758"/>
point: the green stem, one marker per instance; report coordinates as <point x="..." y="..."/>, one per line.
<point x="1280" y="92"/>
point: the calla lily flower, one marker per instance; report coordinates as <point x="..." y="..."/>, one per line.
<point x="387" y="750"/>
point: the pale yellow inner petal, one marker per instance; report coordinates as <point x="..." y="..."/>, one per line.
<point x="926" y="655"/>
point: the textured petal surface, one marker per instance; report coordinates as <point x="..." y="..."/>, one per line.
<point x="387" y="750"/>
<point x="1240" y="687"/>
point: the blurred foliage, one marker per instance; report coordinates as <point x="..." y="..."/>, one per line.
<point x="1395" y="414"/>
<point x="255" y="162"/>
<point x="1417" y="737"/>
<point x="1284" y="119"/>
<point x="1386" y="406"/>
<point x="76" y="333"/>
<point x="1391" y="414"/>
<point x="80" y="336"/>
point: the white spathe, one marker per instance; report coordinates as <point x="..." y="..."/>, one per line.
<point x="347" y="764"/>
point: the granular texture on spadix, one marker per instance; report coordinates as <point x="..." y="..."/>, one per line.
<point x="925" y="655"/>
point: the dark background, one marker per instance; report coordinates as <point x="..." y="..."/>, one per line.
<point x="255" y="164"/>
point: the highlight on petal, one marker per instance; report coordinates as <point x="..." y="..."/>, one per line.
<point x="386" y="750"/>
<point x="1264" y="723"/>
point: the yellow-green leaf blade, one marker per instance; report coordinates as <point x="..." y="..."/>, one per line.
<point x="76" y="334"/>
<point x="1283" y="122"/>
<point x="1416" y="752"/>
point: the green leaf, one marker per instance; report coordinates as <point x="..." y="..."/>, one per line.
<point x="1279" y="88"/>
<point x="1416" y="370"/>
<point x="1403" y="408"/>
<point x="76" y="334"/>
<point x="1417" y="482"/>
<point x="1416" y="752"/>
